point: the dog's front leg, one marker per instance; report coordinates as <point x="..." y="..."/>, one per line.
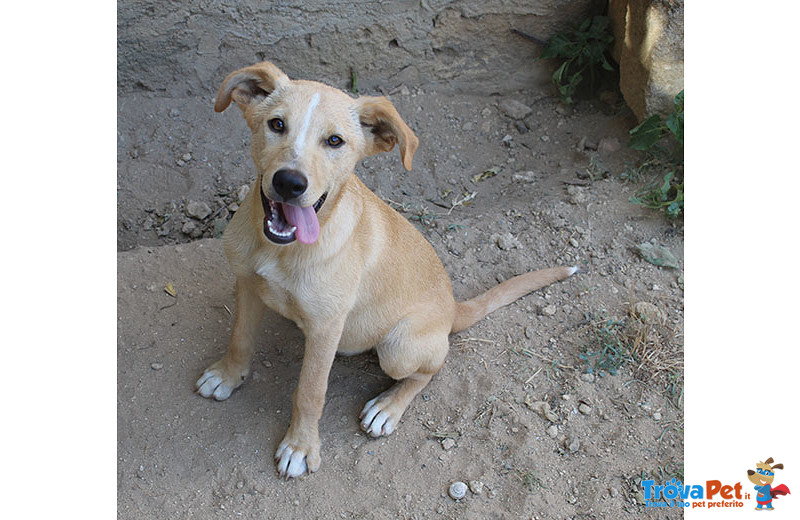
<point x="223" y="377"/>
<point x="298" y="453"/>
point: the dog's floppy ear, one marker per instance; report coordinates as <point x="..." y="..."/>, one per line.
<point x="383" y="127"/>
<point x="250" y="85"/>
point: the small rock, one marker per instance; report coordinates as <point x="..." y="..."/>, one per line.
<point x="573" y="444"/>
<point x="476" y="486"/>
<point x="577" y="195"/>
<point x="545" y="138"/>
<point x="613" y="493"/>
<point x="506" y="241"/>
<point x="457" y="491"/>
<point x="267" y="363"/>
<point x="198" y="210"/>
<point x="525" y="176"/>
<point x="549" y="310"/>
<point x="156" y="366"/>
<point x="552" y="431"/>
<point x="608" y="145"/>
<point x="219" y="226"/>
<point x="174" y="113"/>
<point x="514" y="109"/>
<point x="528" y="332"/>
<point x="585" y="409"/>
<point x="239" y="485"/>
<point x="241" y="193"/>
<point x="188" y="227"/>
<point x="657" y="416"/>
<point x="589" y="378"/>
<point x="186" y="157"/>
<point x="448" y="444"/>
<point x="520" y="126"/>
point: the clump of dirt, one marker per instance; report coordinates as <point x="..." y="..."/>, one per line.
<point x="501" y="185"/>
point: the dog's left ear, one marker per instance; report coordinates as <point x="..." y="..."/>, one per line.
<point x="383" y="127"/>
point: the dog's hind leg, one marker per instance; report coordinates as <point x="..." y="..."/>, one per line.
<point x="411" y="359"/>
<point x="223" y="377"/>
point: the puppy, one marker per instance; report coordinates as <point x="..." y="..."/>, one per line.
<point x="313" y="243"/>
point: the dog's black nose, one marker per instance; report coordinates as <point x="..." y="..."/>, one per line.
<point x="289" y="184"/>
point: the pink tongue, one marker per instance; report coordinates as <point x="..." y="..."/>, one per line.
<point x="305" y="220"/>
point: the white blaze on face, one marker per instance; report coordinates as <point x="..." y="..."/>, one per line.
<point x="302" y="134"/>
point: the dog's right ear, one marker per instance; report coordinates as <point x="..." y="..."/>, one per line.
<point x="250" y="85"/>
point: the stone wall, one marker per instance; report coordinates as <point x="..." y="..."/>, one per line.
<point x="186" y="48"/>
<point x="649" y="49"/>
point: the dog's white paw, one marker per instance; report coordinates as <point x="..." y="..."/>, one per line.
<point x="293" y="461"/>
<point x="375" y="420"/>
<point x="218" y="383"/>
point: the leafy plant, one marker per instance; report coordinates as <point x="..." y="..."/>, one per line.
<point x="666" y="191"/>
<point x="646" y="135"/>
<point x="582" y="49"/>
<point x="610" y="351"/>
<point x="666" y="194"/>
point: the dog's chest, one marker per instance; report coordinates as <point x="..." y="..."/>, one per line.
<point x="294" y="294"/>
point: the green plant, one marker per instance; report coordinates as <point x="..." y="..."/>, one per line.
<point x="665" y="192"/>
<point x="647" y="135"/>
<point x="582" y="49"/>
<point x="608" y="350"/>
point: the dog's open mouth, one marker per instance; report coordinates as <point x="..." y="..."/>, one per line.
<point x="285" y="223"/>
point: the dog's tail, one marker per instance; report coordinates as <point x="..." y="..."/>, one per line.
<point x="471" y="311"/>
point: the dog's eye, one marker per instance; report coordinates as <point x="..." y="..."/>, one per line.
<point x="276" y="125"/>
<point x="335" y="141"/>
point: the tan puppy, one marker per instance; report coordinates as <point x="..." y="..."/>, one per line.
<point x="314" y="244"/>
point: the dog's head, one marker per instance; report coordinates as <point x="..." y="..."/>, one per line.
<point x="764" y="473"/>
<point x="307" y="139"/>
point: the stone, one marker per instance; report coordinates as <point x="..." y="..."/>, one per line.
<point x="448" y="444"/>
<point x="476" y="486"/>
<point x="514" y="109"/>
<point x="648" y="45"/>
<point x="198" y="210"/>
<point x="241" y="193"/>
<point x="506" y="241"/>
<point x="552" y="431"/>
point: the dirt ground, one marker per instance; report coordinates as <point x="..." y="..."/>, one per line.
<point x="553" y="195"/>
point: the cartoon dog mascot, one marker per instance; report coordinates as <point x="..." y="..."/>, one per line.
<point x="762" y="477"/>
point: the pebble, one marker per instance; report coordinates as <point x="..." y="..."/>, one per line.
<point x="457" y="491"/>
<point x="476" y="486"/>
<point x="585" y="409"/>
<point x="514" y="109"/>
<point x="241" y="193"/>
<point x="549" y="310"/>
<point x="448" y="444"/>
<point x="552" y="431"/>
<point x="505" y="241"/>
<point x="198" y="210"/>
<point x="589" y="378"/>
<point x="573" y="444"/>
<point x="156" y="366"/>
<point x="657" y="416"/>
<point x="266" y="363"/>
